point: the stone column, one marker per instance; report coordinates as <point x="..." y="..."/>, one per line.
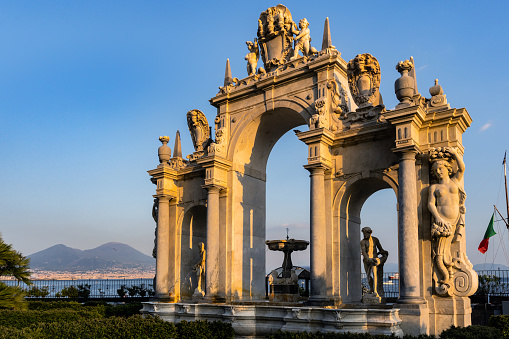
<point x="408" y="231"/>
<point x="163" y="246"/>
<point x="318" y="239"/>
<point x="212" y="245"/>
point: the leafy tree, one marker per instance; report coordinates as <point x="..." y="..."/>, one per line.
<point x="14" y="264"/>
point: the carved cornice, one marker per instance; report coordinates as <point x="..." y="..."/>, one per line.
<point x="318" y="135"/>
<point x="290" y="72"/>
<point x="215" y="161"/>
<point x="458" y="116"/>
<point x="415" y="114"/>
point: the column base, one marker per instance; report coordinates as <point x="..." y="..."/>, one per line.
<point x="214" y="299"/>
<point x="322" y="301"/>
<point x="164" y="299"/>
<point x="414" y="318"/>
<point x="411" y="300"/>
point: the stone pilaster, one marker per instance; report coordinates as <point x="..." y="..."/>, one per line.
<point x="408" y="231"/>
<point x="317" y="232"/>
<point x="212" y="245"/>
<point x="162" y="287"/>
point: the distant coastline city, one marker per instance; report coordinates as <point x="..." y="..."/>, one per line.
<point x="113" y="273"/>
<point x="112" y="260"/>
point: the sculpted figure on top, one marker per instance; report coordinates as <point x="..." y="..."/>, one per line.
<point x="199" y="129"/>
<point x="302" y="40"/>
<point x="446" y="202"/>
<point x="252" y="57"/>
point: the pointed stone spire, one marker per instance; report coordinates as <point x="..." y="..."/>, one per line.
<point x="228" y="74"/>
<point x="177" y="150"/>
<point x="412" y="74"/>
<point x="327" y="41"/>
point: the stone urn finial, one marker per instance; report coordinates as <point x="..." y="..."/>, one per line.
<point x="164" y="151"/>
<point x="436" y="90"/>
<point x="404" y="86"/>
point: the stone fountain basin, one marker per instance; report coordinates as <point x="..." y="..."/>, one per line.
<point x="287" y="245"/>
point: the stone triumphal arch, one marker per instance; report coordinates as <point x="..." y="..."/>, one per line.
<point x="210" y="208"/>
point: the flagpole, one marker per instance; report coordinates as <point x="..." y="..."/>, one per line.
<point x="503" y="219"/>
<point x="505" y="180"/>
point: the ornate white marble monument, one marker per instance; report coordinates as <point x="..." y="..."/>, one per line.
<point x="355" y="148"/>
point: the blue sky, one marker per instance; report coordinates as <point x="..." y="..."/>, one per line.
<point x="87" y="87"/>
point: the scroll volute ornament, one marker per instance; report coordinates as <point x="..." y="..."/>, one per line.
<point x="364" y="80"/>
<point x="199" y="129"/>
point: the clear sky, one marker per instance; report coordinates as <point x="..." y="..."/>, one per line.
<point x="87" y="87"/>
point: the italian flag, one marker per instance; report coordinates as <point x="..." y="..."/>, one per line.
<point x="483" y="246"/>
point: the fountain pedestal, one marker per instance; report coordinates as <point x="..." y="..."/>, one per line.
<point x="284" y="287"/>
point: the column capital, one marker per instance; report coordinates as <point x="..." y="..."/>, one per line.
<point x="213" y="188"/>
<point x="319" y="168"/>
<point x="407" y="152"/>
<point x="164" y="197"/>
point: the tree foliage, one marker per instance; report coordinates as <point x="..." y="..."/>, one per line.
<point x="13" y="264"/>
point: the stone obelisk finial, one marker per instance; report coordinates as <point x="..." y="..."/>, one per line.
<point x="327" y="41"/>
<point x="412" y="74"/>
<point x="177" y="150"/>
<point x="228" y="74"/>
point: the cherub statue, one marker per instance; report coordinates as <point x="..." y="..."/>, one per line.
<point x="252" y="57"/>
<point x="371" y="249"/>
<point x="446" y="202"/>
<point x="199" y="129"/>
<point x="199" y="268"/>
<point x="302" y="40"/>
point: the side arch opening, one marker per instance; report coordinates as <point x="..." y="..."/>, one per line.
<point x="351" y="200"/>
<point x="194" y="231"/>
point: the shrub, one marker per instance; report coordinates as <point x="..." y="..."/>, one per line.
<point x="204" y="330"/>
<point x="84" y="291"/>
<point x="112" y="328"/>
<point x="122" y="291"/>
<point x="21" y="319"/>
<point x="125" y="311"/>
<point x="471" y="332"/>
<point x="51" y="305"/>
<point x="37" y="292"/>
<point x="68" y="292"/>
<point x="500" y="322"/>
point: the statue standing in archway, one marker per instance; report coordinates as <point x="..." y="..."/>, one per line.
<point x="199" y="268"/>
<point x="371" y="249"/>
<point x="446" y="202"/>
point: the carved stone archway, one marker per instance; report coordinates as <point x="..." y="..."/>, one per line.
<point x="355" y="147"/>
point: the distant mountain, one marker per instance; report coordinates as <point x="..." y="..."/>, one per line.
<point x="109" y="255"/>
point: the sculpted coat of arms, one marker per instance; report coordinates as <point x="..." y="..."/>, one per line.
<point x="364" y="80"/>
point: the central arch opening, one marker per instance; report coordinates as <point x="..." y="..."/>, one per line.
<point x="287" y="199"/>
<point x="253" y="145"/>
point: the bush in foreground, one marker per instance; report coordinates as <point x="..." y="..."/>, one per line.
<point x="500" y="322"/>
<point x="113" y="328"/>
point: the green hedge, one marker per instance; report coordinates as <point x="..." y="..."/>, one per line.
<point x="500" y="322"/>
<point x="21" y="319"/>
<point x="472" y="332"/>
<point x="320" y="335"/>
<point x="121" y="328"/>
<point x="133" y="327"/>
